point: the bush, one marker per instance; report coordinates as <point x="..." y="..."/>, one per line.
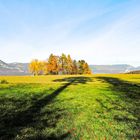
<point x="3" y="82"/>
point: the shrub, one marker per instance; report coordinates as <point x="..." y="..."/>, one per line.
<point x="3" y="82"/>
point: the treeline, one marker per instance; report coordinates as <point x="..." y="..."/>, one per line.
<point x="59" y="65"/>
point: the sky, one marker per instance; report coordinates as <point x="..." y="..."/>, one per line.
<point x="98" y="31"/>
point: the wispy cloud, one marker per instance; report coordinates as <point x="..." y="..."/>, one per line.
<point x="104" y="32"/>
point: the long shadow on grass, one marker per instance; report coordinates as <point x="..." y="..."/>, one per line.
<point x="13" y="122"/>
<point x="129" y="94"/>
<point x="75" y="80"/>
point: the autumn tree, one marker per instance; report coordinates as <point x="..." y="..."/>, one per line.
<point x="69" y="65"/>
<point x="44" y="67"/>
<point x="35" y="67"/>
<point x="86" y="69"/>
<point x="59" y="65"/>
<point x="52" y="65"/>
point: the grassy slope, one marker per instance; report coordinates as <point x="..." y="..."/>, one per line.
<point x="70" y="107"/>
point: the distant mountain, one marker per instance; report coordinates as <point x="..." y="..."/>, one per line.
<point x="4" y="65"/>
<point x="13" y="68"/>
<point x="123" y="68"/>
<point x="22" y="68"/>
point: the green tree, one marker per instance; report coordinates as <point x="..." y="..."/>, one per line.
<point x="63" y="64"/>
<point x="80" y="66"/>
<point x="83" y="67"/>
<point x="75" y="67"/>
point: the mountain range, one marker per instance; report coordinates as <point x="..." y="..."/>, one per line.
<point x="13" y="68"/>
<point x="22" y="68"/>
<point x="121" y="68"/>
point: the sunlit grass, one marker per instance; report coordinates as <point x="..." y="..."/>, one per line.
<point x="70" y="107"/>
<point x="50" y="78"/>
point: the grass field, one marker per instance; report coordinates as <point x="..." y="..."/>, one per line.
<point x="102" y="107"/>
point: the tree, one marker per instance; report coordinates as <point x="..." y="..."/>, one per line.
<point x="44" y="67"/>
<point x="52" y="65"/>
<point x="59" y="65"/>
<point x="80" y="66"/>
<point x="75" y="67"/>
<point x="86" y="69"/>
<point x="63" y="64"/>
<point x="83" y="67"/>
<point x="69" y="65"/>
<point x="35" y="67"/>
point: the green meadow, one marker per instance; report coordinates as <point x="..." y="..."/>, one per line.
<point x="81" y="107"/>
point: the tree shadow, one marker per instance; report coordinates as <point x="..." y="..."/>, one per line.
<point x="75" y="80"/>
<point x="13" y="122"/>
<point x="129" y="94"/>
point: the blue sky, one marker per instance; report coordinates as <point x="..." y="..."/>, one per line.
<point x="99" y="31"/>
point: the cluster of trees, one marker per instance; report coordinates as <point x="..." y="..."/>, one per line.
<point x="59" y="65"/>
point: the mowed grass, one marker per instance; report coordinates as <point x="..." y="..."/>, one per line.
<point x="70" y="107"/>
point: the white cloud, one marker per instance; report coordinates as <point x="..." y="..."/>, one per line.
<point x="116" y="42"/>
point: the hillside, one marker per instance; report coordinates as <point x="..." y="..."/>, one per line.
<point x="13" y="68"/>
<point x="22" y="68"/>
<point x="123" y="68"/>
